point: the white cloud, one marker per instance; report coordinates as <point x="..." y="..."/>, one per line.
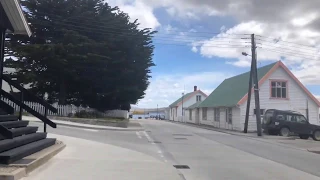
<point x="165" y="89"/>
<point x="137" y="9"/>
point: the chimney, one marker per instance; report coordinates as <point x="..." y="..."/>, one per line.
<point x="195" y="88"/>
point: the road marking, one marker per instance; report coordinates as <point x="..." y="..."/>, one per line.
<point x="159" y="152"/>
<point x="92" y="130"/>
<point x="148" y="137"/>
<point x="138" y="134"/>
<point x="162" y="156"/>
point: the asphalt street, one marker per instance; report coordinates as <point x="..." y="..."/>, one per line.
<point x="208" y="154"/>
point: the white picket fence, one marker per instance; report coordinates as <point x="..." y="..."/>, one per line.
<point x="65" y="110"/>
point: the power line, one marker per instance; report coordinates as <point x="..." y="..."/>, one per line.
<point x="288" y="54"/>
<point x="111" y="27"/>
<point x="91" y="20"/>
<point x="285" y="41"/>
<point x="111" y="31"/>
<point x="294" y="51"/>
<point x="89" y="30"/>
<point x="291" y="46"/>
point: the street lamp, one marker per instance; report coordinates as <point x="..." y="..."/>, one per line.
<point x="245" y="54"/>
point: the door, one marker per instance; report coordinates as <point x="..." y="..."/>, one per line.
<point x="300" y="124"/>
<point x="224" y="118"/>
<point x="197" y="116"/>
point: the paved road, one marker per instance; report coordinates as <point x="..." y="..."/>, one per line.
<point x="209" y="154"/>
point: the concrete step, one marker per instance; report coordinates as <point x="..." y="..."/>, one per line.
<point x="23" y="130"/>
<point x="14" y="124"/>
<point x="4" y="118"/>
<point x="18" y="153"/>
<point x="8" y="144"/>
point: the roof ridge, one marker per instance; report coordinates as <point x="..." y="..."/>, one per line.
<point x="274" y="63"/>
<point x="233" y="89"/>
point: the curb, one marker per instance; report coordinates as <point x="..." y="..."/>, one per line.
<point x="95" y="128"/>
<point x="22" y="170"/>
<point x="202" y="127"/>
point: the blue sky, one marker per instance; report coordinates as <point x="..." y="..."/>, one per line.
<point x="200" y="42"/>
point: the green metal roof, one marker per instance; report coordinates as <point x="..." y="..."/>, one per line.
<point x="231" y="90"/>
<point x="195" y="105"/>
<point x="180" y="99"/>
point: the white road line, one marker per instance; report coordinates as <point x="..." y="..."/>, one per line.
<point x="159" y="152"/>
<point x="138" y="134"/>
<point x="148" y="137"/>
<point x="162" y="156"/>
<point x="92" y="130"/>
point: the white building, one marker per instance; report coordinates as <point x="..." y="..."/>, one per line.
<point x="225" y="107"/>
<point x="176" y="113"/>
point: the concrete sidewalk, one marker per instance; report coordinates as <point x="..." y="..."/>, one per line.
<point x="83" y="160"/>
<point x="80" y="125"/>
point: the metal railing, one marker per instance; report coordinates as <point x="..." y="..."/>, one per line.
<point x="20" y="102"/>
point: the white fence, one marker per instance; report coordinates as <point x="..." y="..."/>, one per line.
<point x="65" y="110"/>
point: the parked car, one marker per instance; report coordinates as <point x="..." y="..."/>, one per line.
<point x="283" y="122"/>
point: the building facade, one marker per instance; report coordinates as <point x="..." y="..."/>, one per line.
<point x="225" y="107"/>
<point x="177" y="109"/>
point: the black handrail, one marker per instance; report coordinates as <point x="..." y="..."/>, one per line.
<point x="28" y="93"/>
<point x="28" y="109"/>
<point x="6" y="107"/>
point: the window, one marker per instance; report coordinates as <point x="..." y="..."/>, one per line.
<point x="204" y="113"/>
<point x="229" y="115"/>
<point x="301" y="119"/>
<point x="216" y="114"/>
<point x="279" y="89"/>
<point x="190" y="114"/>
<point x="261" y="111"/>
<point x="198" y="98"/>
<point x="291" y="118"/>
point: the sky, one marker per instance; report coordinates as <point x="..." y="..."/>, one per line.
<point x="199" y="42"/>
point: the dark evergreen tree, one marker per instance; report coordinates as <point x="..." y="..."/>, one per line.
<point x="83" y="52"/>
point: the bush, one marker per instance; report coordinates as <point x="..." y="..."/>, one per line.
<point x="85" y="114"/>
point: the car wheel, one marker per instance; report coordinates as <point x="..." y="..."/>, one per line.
<point x="304" y="136"/>
<point x="284" y="132"/>
<point x="316" y="135"/>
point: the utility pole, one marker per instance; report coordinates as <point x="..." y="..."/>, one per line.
<point x="256" y="84"/>
<point x="249" y="99"/>
<point x="182" y="107"/>
<point x="307" y="110"/>
<point x="157" y="113"/>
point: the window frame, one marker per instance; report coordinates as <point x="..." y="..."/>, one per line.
<point x="281" y="89"/>
<point x="204" y="115"/>
<point x="217" y="114"/>
<point x="198" y="98"/>
<point x="229" y="113"/>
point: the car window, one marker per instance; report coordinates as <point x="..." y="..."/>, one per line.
<point x="280" y="117"/>
<point x="291" y="118"/>
<point x="301" y="119"/>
